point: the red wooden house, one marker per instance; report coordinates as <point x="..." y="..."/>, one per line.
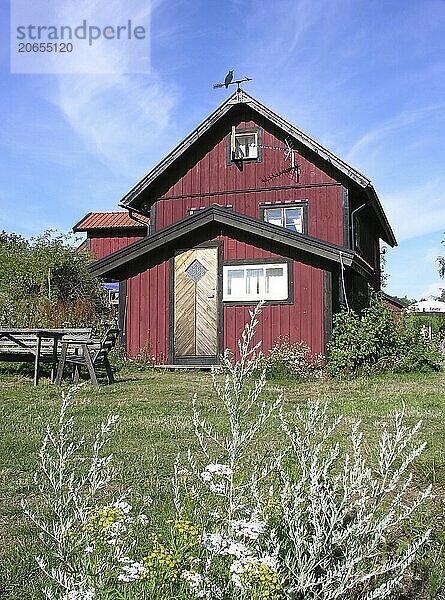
<point x="247" y="207"/>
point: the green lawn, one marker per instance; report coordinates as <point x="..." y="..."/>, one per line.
<point x="155" y="425"/>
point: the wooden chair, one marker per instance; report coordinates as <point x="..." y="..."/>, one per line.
<point x="94" y="353"/>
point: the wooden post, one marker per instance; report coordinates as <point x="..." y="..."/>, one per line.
<point x="89" y="364"/>
<point x="61" y="363"/>
<point x="36" y="360"/>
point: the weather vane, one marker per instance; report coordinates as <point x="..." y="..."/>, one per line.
<point x="230" y="81"/>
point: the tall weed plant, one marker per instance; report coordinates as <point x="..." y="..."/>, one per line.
<point x="318" y="519"/>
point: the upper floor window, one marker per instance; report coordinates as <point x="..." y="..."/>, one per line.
<point x="290" y="216"/>
<point x="244" y="145"/>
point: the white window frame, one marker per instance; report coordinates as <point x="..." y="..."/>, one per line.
<point x="243" y="134"/>
<point x="283" y="209"/>
<point x="281" y="295"/>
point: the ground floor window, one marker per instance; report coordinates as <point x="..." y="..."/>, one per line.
<point x="255" y="282"/>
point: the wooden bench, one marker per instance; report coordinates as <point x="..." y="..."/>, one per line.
<point x="36" y="345"/>
<point x="89" y="353"/>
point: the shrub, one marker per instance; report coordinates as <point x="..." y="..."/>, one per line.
<point x="44" y="282"/>
<point x="379" y="340"/>
<point x="291" y="361"/>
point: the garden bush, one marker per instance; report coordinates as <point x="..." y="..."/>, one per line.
<point x="319" y="520"/>
<point x="291" y="361"/>
<point x="379" y="340"/>
<point x="44" y="282"/>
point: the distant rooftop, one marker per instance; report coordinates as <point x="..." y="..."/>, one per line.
<point x="428" y="306"/>
<point x="109" y="220"/>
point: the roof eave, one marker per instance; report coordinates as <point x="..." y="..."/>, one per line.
<point x="178" y="151"/>
<point x="388" y="234"/>
<point x="111" y="264"/>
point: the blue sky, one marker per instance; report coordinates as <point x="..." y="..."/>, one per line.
<point x="365" y="78"/>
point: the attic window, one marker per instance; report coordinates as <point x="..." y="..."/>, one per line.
<point x="244" y="145"/>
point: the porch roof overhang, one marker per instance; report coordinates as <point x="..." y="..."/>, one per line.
<point x="213" y="221"/>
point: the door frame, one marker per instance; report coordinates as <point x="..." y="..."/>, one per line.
<point x="197" y="360"/>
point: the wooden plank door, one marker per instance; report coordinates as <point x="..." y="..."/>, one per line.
<point x="196" y="305"/>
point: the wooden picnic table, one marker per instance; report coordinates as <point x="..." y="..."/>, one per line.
<point x="42" y="344"/>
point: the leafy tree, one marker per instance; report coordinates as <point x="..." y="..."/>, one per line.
<point x="384" y="275"/>
<point x="441" y="261"/>
<point x="441" y="297"/>
<point x="45" y="282"/>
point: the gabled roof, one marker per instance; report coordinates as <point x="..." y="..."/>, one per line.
<point x="300" y="247"/>
<point x="239" y="98"/>
<point x="109" y="220"/>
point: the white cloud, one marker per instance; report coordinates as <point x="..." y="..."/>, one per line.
<point x="124" y="119"/>
<point x="119" y="117"/>
<point x="433" y="290"/>
<point x="400" y="121"/>
<point x="417" y="210"/>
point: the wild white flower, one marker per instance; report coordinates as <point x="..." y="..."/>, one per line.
<point x="89" y="549"/>
<point x="131" y="570"/>
<point x="206" y="476"/>
<point x="216" y="470"/>
<point x="248" y="529"/>
<point x="143" y="519"/>
<point x="239" y="550"/>
<point x="221" y="544"/>
<point x="269" y="561"/>
<point x="236" y="569"/>
<point x="192" y="577"/>
<point x="81" y="594"/>
<point x="216" y="543"/>
<point x="219" y="470"/>
<point x="201" y="586"/>
<point x="124" y="507"/>
<point x="218" y="488"/>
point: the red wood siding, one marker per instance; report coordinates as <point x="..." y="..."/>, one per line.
<point x="210" y="173"/>
<point x="147" y="318"/>
<point x="104" y="245"/>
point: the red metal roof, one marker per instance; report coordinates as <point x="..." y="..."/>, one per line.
<point x="109" y="220"/>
